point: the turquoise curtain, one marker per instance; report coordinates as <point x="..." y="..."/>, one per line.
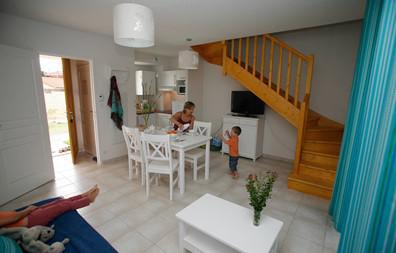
<point x="363" y="205"/>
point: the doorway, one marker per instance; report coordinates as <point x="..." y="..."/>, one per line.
<point x="67" y="93"/>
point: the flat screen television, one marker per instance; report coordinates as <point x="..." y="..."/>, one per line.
<point x="246" y="103"/>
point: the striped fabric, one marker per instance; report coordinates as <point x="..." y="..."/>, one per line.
<point x="8" y="245"/>
<point x="363" y="205"/>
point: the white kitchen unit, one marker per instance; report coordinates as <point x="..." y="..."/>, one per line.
<point x="147" y="80"/>
<point x="163" y="119"/>
<point x="181" y="74"/>
<point x="212" y="224"/>
<point x="167" y="79"/>
<point x="251" y="138"/>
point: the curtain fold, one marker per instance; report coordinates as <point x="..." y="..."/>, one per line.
<point x="363" y="205"/>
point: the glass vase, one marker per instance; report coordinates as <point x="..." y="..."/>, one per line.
<point x="256" y="217"/>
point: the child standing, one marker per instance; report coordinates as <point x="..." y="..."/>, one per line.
<point x="233" y="143"/>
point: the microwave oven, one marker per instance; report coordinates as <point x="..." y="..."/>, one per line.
<point x="181" y="87"/>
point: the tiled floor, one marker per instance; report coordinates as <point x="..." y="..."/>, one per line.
<point x="131" y="223"/>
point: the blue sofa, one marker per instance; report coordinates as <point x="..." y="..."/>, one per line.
<point x="83" y="237"/>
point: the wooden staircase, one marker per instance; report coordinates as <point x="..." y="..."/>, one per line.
<point x="281" y="76"/>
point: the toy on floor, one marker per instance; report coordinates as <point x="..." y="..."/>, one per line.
<point x="33" y="239"/>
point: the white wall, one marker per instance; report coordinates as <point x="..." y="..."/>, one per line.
<point x="103" y="55"/>
<point x="335" y="50"/>
<point x="195" y="89"/>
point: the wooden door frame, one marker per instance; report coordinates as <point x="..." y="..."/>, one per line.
<point x="84" y="67"/>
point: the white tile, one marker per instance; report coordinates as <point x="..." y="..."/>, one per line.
<point x="113" y="229"/>
<point x="98" y="217"/>
<point x="315" y="202"/>
<point x="295" y="244"/>
<point x="131" y="242"/>
<point x="169" y="243"/>
<point x="133" y="223"/>
<point x="137" y="216"/>
<point x="332" y="238"/>
<point x="311" y="214"/>
<point x="309" y="230"/>
<point x="156" y="228"/>
<point x="122" y="205"/>
<point x="154" y="249"/>
<point x="327" y="250"/>
<point x="156" y="205"/>
<point x="283" y="205"/>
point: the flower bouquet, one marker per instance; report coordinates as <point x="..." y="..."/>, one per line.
<point x="260" y="188"/>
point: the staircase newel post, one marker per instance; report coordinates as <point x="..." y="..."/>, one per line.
<point x="300" y="132"/>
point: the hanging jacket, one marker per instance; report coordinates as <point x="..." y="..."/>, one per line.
<point x="114" y="102"/>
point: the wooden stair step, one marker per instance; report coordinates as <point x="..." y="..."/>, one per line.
<point x="325" y="129"/>
<point x="316" y="172"/>
<point x="329" y="147"/>
<point x="323" y="134"/>
<point x="311" y="185"/>
<point x="319" y="159"/>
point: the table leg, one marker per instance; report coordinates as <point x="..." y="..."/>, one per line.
<point x="181" y="171"/>
<point x="182" y="234"/>
<point x="207" y="160"/>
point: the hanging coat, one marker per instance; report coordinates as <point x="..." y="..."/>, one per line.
<point x="114" y="102"/>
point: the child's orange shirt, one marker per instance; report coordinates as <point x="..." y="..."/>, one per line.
<point x="7" y="214"/>
<point x="233" y="144"/>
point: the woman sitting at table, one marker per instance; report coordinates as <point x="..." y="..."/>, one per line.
<point x="179" y="119"/>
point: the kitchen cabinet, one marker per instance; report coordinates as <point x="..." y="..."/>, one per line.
<point x="181" y="74"/>
<point x="167" y="79"/>
<point x="251" y="138"/>
<point x="145" y="82"/>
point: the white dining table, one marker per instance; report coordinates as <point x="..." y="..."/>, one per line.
<point x="188" y="142"/>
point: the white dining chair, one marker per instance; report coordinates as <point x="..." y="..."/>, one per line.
<point x="158" y="160"/>
<point x="135" y="154"/>
<point x="192" y="156"/>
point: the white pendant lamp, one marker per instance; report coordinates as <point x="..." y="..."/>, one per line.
<point x="133" y="25"/>
<point x="188" y="59"/>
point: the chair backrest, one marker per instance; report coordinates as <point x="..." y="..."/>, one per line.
<point x="132" y="139"/>
<point x="203" y="128"/>
<point x="156" y="148"/>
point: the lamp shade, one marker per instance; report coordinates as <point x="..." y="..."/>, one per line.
<point x="133" y="25"/>
<point x="188" y="59"/>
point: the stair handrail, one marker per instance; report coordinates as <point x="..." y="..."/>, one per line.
<point x="273" y="79"/>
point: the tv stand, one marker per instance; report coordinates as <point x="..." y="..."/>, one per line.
<point x="251" y="138"/>
<point x="243" y="115"/>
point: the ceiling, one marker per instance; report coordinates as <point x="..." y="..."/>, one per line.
<point x="202" y="20"/>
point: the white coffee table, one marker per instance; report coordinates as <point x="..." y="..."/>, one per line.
<point x="211" y="224"/>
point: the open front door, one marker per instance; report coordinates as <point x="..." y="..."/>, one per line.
<point x="70" y="109"/>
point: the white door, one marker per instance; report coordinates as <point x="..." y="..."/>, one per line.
<point x="25" y="154"/>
